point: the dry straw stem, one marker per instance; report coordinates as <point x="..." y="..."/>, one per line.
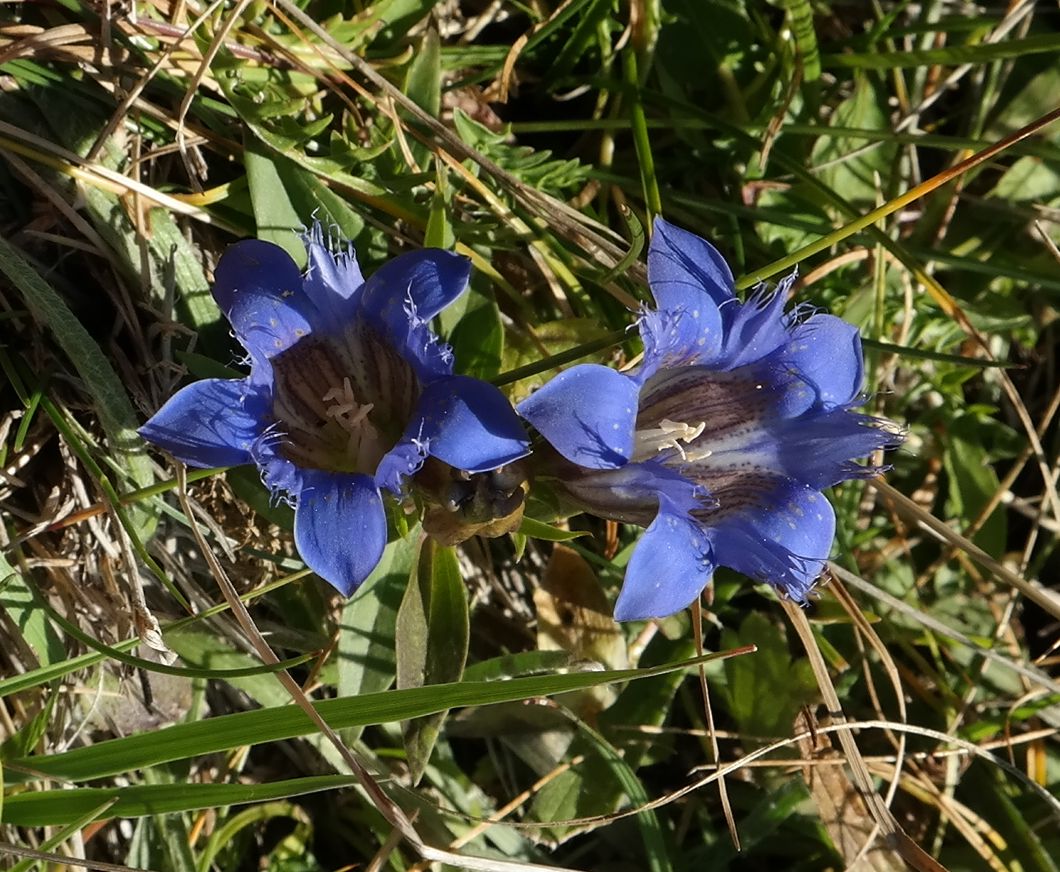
<point x="894" y="836"/>
<point x="36" y="148"/>
<point x="568" y="221"/>
<point x="708" y="713"/>
<point x="61" y="860"/>
<point x="1033" y="590"/>
<point x="1032" y="674"/>
<point x="959" y="746"/>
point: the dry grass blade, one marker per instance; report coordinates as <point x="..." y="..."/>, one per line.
<point x="63" y="860"/>
<point x="937" y="626"/>
<point x="906" y="507"/>
<point x="841" y="809"/>
<point x="894" y="836"/>
<point x="723" y="793"/>
<point x="572" y="224"/>
<point x="41" y="150"/>
<point x="862" y="780"/>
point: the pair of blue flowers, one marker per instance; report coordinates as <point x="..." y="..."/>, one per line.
<point x="720" y="442"/>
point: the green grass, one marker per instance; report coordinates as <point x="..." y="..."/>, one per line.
<point x="904" y="157"/>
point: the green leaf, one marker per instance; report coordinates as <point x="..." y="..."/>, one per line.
<point x="208" y="651"/>
<point x="433" y="630"/>
<point x="171" y="830"/>
<point x="478" y="338"/>
<point x="540" y="530"/>
<point x="952" y="55"/>
<point x="765" y="689"/>
<point x="424" y="87"/>
<point x="367" y="658"/>
<point x="102" y="384"/>
<point x="16" y="598"/>
<point x="439" y="233"/>
<point x="973" y="482"/>
<point x="853" y="168"/>
<point x="287" y="199"/>
<point x="275" y="216"/>
<point x="25" y="740"/>
<point x="521" y="663"/>
<point x="184" y="741"/>
<point x="57" y="807"/>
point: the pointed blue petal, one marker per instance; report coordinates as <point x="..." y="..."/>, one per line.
<point x="205" y="424"/>
<point x="756" y="328"/>
<point x="415" y="286"/>
<point x="677" y="337"/>
<point x="468" y="424"/>
<point x="819" y="448"/>
<point x="778" y="531"/>
<point x="826" y="352"/>
<point x="587" y="413"/>
<point x="340" y="527"/>
<point x="282" y="477"/>
<point x="669" y="568"/>
<point x="401" y="298"/>
<point x="685" y="271"/>
<point x="332" y="280"/>
<point x="259" y="288"/>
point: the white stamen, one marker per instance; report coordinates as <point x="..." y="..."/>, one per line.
<point x="348" y="413"/>
<point x="670" y="434"/>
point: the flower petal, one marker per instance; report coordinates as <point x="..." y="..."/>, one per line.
<point x="415" y="286"/>
<point x="678" y="337"/>
<point x="340" y="527"/>
<point x="826" y="352"/>
<point x="332" y="279"/>
<point x="468" y="424"/>
<point x="818" y="449"/>
<point x="259" y="288"/>
<point x="669" y="568"/>
<point x="756" y="328"/>
<point x="685" y="271"/>
<point x="205" y="424"/>
<point x="778" y="531"/>
<point x="587" y="413"/>
<point x="401" y="461"/>
<point x="401" y="298"/>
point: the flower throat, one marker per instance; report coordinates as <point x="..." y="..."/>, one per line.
<point x="339" y="402"/>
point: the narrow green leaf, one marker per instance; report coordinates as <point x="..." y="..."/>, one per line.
<point x="433" y="630"/>
<point x="548" y="533"/>
<point x="658" y="859"/>
<point x="78" y="823"/>
<point x="276" y="218"/>
<point x="952" y="55"/>
<point x="222" y="733"/>
<point x="424" y="87"/>
<point x="367" y="659"/>
<point x="58" y="807"/>
<point x="171" y="830"/>
<point x="16" y="598"/>
<point x="439" y="233"/>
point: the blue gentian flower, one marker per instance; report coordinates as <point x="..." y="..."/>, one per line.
<point x="349" y="392"/>
<point x="721" y="441"/>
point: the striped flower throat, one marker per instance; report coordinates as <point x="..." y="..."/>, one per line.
<point x="342" y="402"/>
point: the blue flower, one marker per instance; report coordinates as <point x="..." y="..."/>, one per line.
<point x="721" y="441"/>
<point x="349" y="391"/>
